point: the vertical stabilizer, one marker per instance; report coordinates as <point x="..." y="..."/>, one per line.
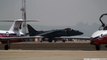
<point x="31" y="30"/>
<point x="16" y="26"/>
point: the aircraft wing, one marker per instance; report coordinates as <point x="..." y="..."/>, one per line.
<point x="76" y="37"/>
<point x="45" y="33"/>
<point x="21" y="37"/>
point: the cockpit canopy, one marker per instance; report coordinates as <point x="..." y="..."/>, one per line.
<point x="103" y="20"/>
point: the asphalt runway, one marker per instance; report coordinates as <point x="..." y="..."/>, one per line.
<point x="52" y="51"/>
<point x="86" y="46"/>
<point x="51" y="55"/>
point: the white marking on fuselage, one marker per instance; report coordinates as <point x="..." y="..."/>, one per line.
<point x="99" y="33"/>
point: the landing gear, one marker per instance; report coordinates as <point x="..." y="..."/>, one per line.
<point x="97" y="47"/>
<point x="7" y="46"/>
<point x="106" y="46"/>
<point x="55" y="41"/>
<point x="50" y="41"/>
<point x="63" y="41"/>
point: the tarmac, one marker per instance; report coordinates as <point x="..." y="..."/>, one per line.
<point x="86" y="46"/>
<point x="52" y="55"/>
<point x="52" y="51"/>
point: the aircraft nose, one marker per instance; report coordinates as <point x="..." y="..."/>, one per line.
<point x="77" y="32"/>
<point x="80" y="32"/>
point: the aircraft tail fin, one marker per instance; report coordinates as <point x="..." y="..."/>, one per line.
<point x="17" y="25"/>
<point x="31" y="30"/>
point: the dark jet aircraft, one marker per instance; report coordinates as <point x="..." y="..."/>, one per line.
<point x="53" y="33"/>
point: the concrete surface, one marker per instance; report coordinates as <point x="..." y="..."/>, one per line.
<point x="50" y="54"/>
<point x="53" y="46"/>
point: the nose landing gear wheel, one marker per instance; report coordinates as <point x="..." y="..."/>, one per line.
<point x="97" y="47"/>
